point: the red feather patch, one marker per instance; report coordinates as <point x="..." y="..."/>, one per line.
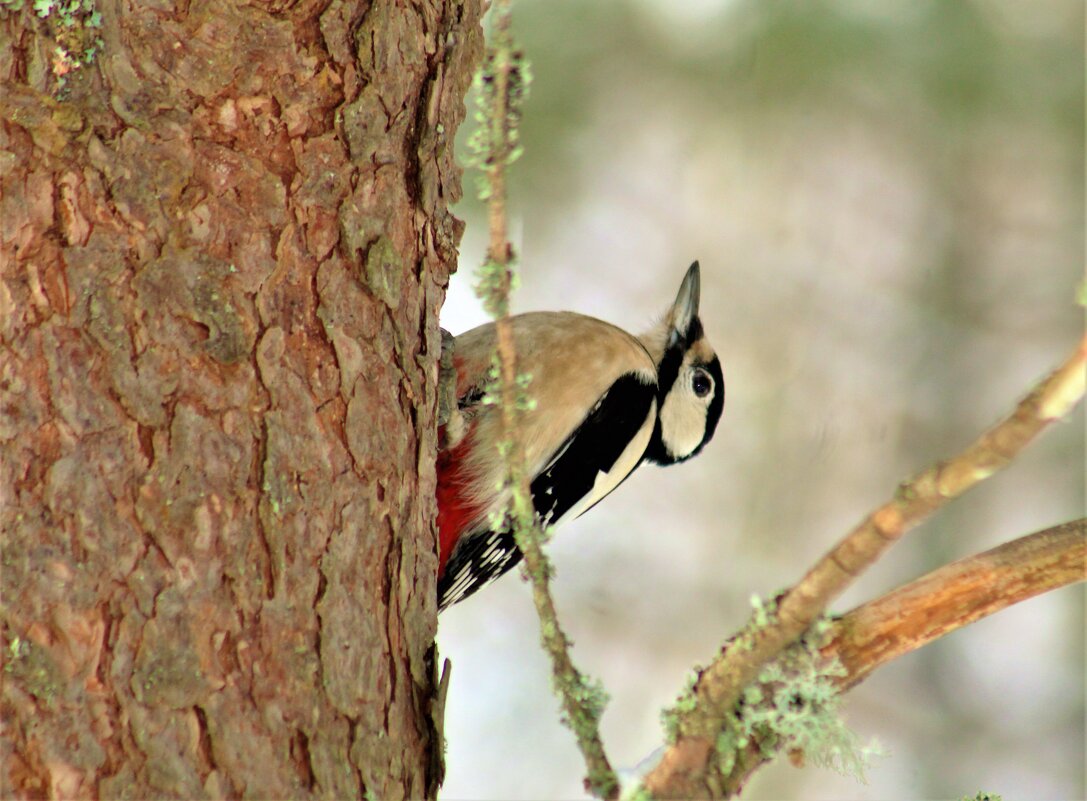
<point x="454" y="511"/>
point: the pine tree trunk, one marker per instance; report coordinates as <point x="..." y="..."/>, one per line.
<point x="225" y="243"/>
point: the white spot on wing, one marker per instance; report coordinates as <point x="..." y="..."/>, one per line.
<point x="458" y="589"/>
<point x="484" y="567"/>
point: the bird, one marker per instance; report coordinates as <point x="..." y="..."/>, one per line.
<point x="603" y="402"/>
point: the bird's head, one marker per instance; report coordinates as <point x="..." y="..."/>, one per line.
<point x="690" y="386"/>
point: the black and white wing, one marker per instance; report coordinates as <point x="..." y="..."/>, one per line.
<point x="591" y="462"/>
<point x="600" y="454"/>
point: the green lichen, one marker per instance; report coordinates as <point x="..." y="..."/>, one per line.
<point x="487" y="146"/>
<point x="17" y="650"/>
<point x="31" y="667"/>
<point x="277" y="495"/>
<point x="763" y="612"/>
<point x="501" y="88"/>
<point x="523" y="400"/>
<point x="494" y="283"/>
<point x="795" y="705"/>
<point x="590" y="696"/>
<point x="74" y="25"/>
<point x="383" y="271"/>
<point x="685" y="702"/>
<point x="905" y="492"/>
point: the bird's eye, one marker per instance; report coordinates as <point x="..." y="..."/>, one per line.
<point x="701" y="383"/>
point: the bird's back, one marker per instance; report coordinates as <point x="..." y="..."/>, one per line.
<point x="574" y="362"/>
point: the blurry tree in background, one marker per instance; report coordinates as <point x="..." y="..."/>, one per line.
<point x="887" y="200"/>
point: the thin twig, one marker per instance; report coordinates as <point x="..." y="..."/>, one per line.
<point x="684" y="769"/>
<point x="581" y="701"/>
<point x="936" y="604"/>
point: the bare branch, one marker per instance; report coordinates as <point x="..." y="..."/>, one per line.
<point x="957" y="595"/>
<point x="685" y="769"/>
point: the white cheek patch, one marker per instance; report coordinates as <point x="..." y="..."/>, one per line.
<point x="683" y="418"/>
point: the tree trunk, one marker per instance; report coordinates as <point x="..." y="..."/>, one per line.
<point x="225" y="242"/>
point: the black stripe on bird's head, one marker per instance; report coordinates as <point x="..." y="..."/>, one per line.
<point x="690" y="385"/>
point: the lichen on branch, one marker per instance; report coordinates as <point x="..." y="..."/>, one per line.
<point x="502" y="86"/>
<point x="691" y="765"/>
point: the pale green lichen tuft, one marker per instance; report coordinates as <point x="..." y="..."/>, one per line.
<point x="486" y="146"/>
<point x="501" y="87"/>
<point x="763" y="612"/>
<point x="31" y="667"/>
<point x="494" y="283"/>
<point x="795" y="705"/>
<point x="685" y="703"/>
<point x="589" y="697"/>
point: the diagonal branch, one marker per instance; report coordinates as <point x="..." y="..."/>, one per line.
<point x="955" y="596"/>
<point x="686" y="768"/>
<point x="936" y="604"/>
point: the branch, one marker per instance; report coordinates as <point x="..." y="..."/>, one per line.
<point x="687" y="768"/>
<point x="955" y="596"/>
<point x="582" y="700"/>
<point x="936" y="604"/>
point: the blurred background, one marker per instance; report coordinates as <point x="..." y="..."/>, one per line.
<point x="887" y="200"/>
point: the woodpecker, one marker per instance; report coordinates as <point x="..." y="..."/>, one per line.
<point x="605" y="401"/>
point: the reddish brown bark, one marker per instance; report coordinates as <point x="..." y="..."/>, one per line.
<point x="224" y="248"/>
